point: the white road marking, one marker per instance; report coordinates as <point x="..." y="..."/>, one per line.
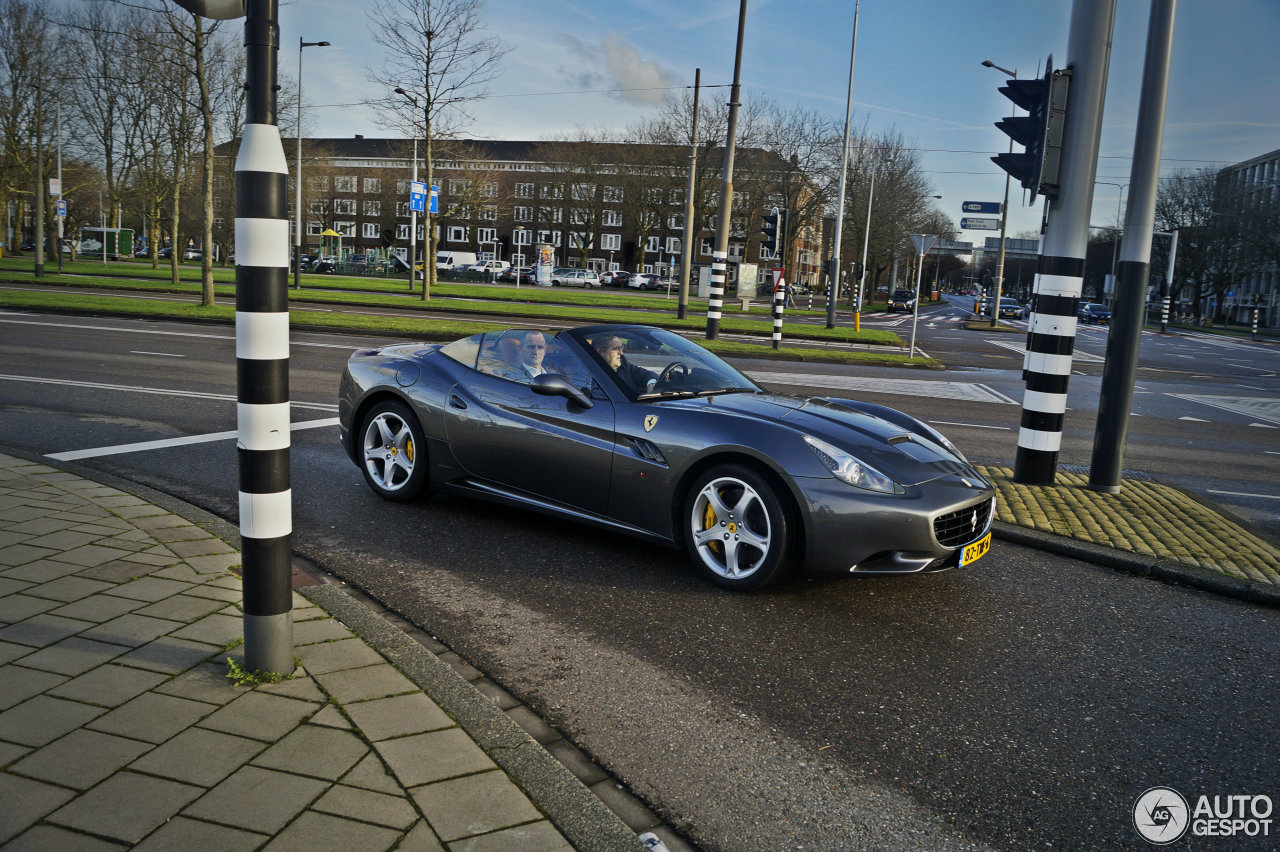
<point x="1252" y="407"/>
<point x="1245" y="494"/>
<point x="7" y="317"/>
<point x="160" y="354"/>
<point x="222" y="397"/>
<point x="1084" y="357"/>
<point x="1265" y="425"/>
<point x="969" y="425"/>
<point x="1193" y="419"/>
<point x="143" y="446"/>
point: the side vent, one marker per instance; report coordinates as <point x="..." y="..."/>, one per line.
<point x="647" y="451"/>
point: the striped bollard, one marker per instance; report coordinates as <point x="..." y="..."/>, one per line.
<point x="1164" y="315"/>
<point x="1255" y="324"/>
<point x="779" y="302"/>
<point x="1051" y="337"/>
<point x="262" y="357"/>
<point x="715" y="293"/>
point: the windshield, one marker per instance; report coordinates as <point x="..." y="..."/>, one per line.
<point x="651" y="363"/>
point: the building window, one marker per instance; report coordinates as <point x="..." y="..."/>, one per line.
<point x="523" y="214"/>
<point x="765" y="254"/>
<point x="371" y="230"/>
<point x="315" y="228"/>
<point x="318" y="184"/>
<point x="705" y="246"/>
<point x="316" y="208"/>
<point x="402" y="187"/>
<point x="554" y="215"/>
<point x="488" y="214"/>
<point x="459" y="187"/>
<point x="653" y="244"/>
<point x="613" y="194"/>
<point x="583" y="191"/>
<point x="490" y="189"/>
<point x="612" y="218"/>
<point x="524" y="190"/>
<point x="522" y="237"/>
<point x="372" y="185"/>
<point x="344" y="206"/>
<point x="345" y="229"/>
<point x="611" y="242"/>
<point x="486" y="235"/>
<point x="578" y="216"/>
<point x="457" y="234"/>
<point x="372" y="208"/>
<point x="402" y="232"/>
<point x="345" y="183"/>
<point x="552" y="190"/>
<point x="673" y="245"/>
<point x="736" y="249"/>
<point x="676" y="222"/>
<point x="402" y="210"/>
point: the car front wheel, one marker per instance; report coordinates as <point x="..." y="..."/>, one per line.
<point x="393" y="452"/>
<point x="735" y="528"/>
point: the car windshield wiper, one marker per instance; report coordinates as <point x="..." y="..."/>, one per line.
<point x="729" y="389"/>
<point x="668" y="394"/>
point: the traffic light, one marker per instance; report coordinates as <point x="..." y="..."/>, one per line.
<point x="774" y="227"/>
<point x="1039" y="131"/>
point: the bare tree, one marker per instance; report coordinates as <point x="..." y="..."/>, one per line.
<point x="437" y="51"/>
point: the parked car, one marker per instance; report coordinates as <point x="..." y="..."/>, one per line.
<point x="524" y="272"/>
<point x="650" y="281"/>
<point x="1010" y="309"/>
<point x="615" y="278"/>
<point x="901" y="300"/>
<point x="1092" y="312"/>
<point x="750" y="487"/>
<point x="576" y="278"/>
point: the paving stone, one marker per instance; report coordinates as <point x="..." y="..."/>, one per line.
<point x="474" y="804"/>
<point x="21" y="554"/>
<point x="335" y="656"/>
<point x="160" y="522"/>
<point x="25" y="802"/>
<point x="90" y="555"/>
<point x="197" y="756"/>
<point x="42" y="719"/>
<point x="69" y="588"/>
<point x="80" y="759"/>
<point x="97" y="608"/>
<point x="9" y="586"/>
<point x="153" y="560"/>
<point x="372" y="774"/>
<point x="183" y="607"/>
<point x="63" y="539"/>
<point x="206" y="682"/>
<point x="9" y="752"/>
<point x="215" y="629"/>
<point x="301" y="687"/>
<point x="217" y="593"/>
<point x="10" y="651"/>
<point x="420" y="839"/>
<point x="149" y="589"/>
<point x="118" y="571"/>
<point x="109" y="685"/>
<point x="132" y="629"/>
<point x="259" y="799"/>
<point x="152" y="717"/>
<point x="43" y="838"/>
<point x="43" y="629"/>
<point x="260" y="716"/>
<point x="127" y="806"/>
<point x="169" y="655"/>
<point x="319" y="831"/>
<point x="140" y="511"/>
<point x="73" y="656"/>
<point x="40" y="525"/>
<point x="228" y="582"/>
<point x="15" y="608"/>
<point x="181" y="833"/>
<point x="18" y="683"/>
<point x="318" y="630"/>
<point x="42" y="571"/>
<point x="8" y="538"/>
<point x="314" y="750"/>
<point x="353" y="802"/>
<point x="20" y="513"/>
<point x="180" y="572"/>
<point x="538" y="836"/>
<point x="331" y="717"/>
<point x="395" y="717"/>
<point x="424" y="758"/>
<point x="206" y="546"/>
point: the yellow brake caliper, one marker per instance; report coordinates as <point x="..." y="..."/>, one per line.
<point x="709" y="521"/>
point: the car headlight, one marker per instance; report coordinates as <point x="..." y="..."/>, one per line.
<point x="848" y="469"/>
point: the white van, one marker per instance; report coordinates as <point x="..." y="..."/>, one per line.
<point x="451" y="259"/>
<point x="490" y="267"/>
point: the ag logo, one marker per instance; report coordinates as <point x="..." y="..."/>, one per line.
<point x="650" y="420"/>
<point x="1161" y="815"/>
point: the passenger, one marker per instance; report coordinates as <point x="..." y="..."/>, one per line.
<point x="533" y="348"/>
<point x="609" y="348"/>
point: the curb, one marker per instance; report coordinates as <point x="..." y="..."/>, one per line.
<point x="1166" y="570"/>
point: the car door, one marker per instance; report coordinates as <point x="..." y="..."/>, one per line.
<point x="502" y="432"/>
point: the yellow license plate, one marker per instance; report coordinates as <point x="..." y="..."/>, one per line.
<point x="977" y="550"/>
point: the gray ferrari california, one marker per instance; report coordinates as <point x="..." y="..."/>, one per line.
<point x="638" y="430"/>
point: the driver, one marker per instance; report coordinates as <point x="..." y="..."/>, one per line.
<point x="609" y="348"/>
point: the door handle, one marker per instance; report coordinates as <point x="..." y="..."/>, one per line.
<point x="456" y="401"/>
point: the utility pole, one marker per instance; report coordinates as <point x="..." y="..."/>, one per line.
<point x="1123" y="342"/>
<point x="1060" y="275"/>
<point x="690" y="232"/>
<point x="833" y="268"/>
<point x="40" y="188"/>
<point x="720" y="256"/>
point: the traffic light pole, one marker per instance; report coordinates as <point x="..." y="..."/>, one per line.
<point x="1121" y="368"/>
<point x="1060" y="274"/>
<point x="720" y="256"/>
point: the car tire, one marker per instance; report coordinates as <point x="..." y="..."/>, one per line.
<point x="735" y="528"/>
<point x="392" y="452"/>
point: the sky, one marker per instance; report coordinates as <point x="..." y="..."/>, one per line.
<point x="572" y="64"/>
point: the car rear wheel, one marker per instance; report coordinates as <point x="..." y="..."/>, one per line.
<point x="393" y="452"/>
<point x="735" y="528"/>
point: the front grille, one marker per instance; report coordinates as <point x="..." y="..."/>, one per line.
<point x="956" y="529"/>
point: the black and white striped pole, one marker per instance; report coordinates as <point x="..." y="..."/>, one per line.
<point x="1060" y="275"/>
<point x="262" y="344"/>
<point x="1254" y="336"/>
<point x="779" y="302"/>
<point x="720" y="252"/>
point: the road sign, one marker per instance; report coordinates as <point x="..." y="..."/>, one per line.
<point x="969" y="223"/>
<point x="435" y="199"/>
<point x="923" y="242"/>
<point x="62" y="207"/>
<point x="981" y="207"/>
<point x="417" y="196"/>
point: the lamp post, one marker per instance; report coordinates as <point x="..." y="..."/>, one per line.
<point x="428" y="267"/>
<point x="866" y="238"/>
<point x="39" y="240"/>
<point x="1004" y="211"/>
<point x="1119" y="226"/>
<point x="297" y="174"/>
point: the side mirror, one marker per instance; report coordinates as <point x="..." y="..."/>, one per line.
<point x="553" y="384"/>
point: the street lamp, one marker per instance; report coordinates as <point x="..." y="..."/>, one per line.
<point x="1119" y="225"/>
<point x="297" y="174"/>
<point x="1004" y="212"/>
<point x="427" y="265"/>
<point x="866" y="238"/>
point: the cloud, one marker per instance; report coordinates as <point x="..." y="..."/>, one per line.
<point x="616" y="67"/>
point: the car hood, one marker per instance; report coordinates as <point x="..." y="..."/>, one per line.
<point x="905" y="455"/>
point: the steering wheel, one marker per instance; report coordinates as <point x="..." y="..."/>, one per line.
<point x="675" y="368"/>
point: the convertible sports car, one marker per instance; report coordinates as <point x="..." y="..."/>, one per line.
<point x="641" y="431"/>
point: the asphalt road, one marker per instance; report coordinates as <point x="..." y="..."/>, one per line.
<point x="1025" y="703"/>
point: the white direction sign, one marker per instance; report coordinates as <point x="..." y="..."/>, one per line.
<point x="972" y="223"/>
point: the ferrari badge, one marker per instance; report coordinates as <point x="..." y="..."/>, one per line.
<point x="650" y="420"/>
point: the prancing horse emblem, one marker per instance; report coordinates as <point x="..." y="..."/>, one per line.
<point x="650" y="420"/>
